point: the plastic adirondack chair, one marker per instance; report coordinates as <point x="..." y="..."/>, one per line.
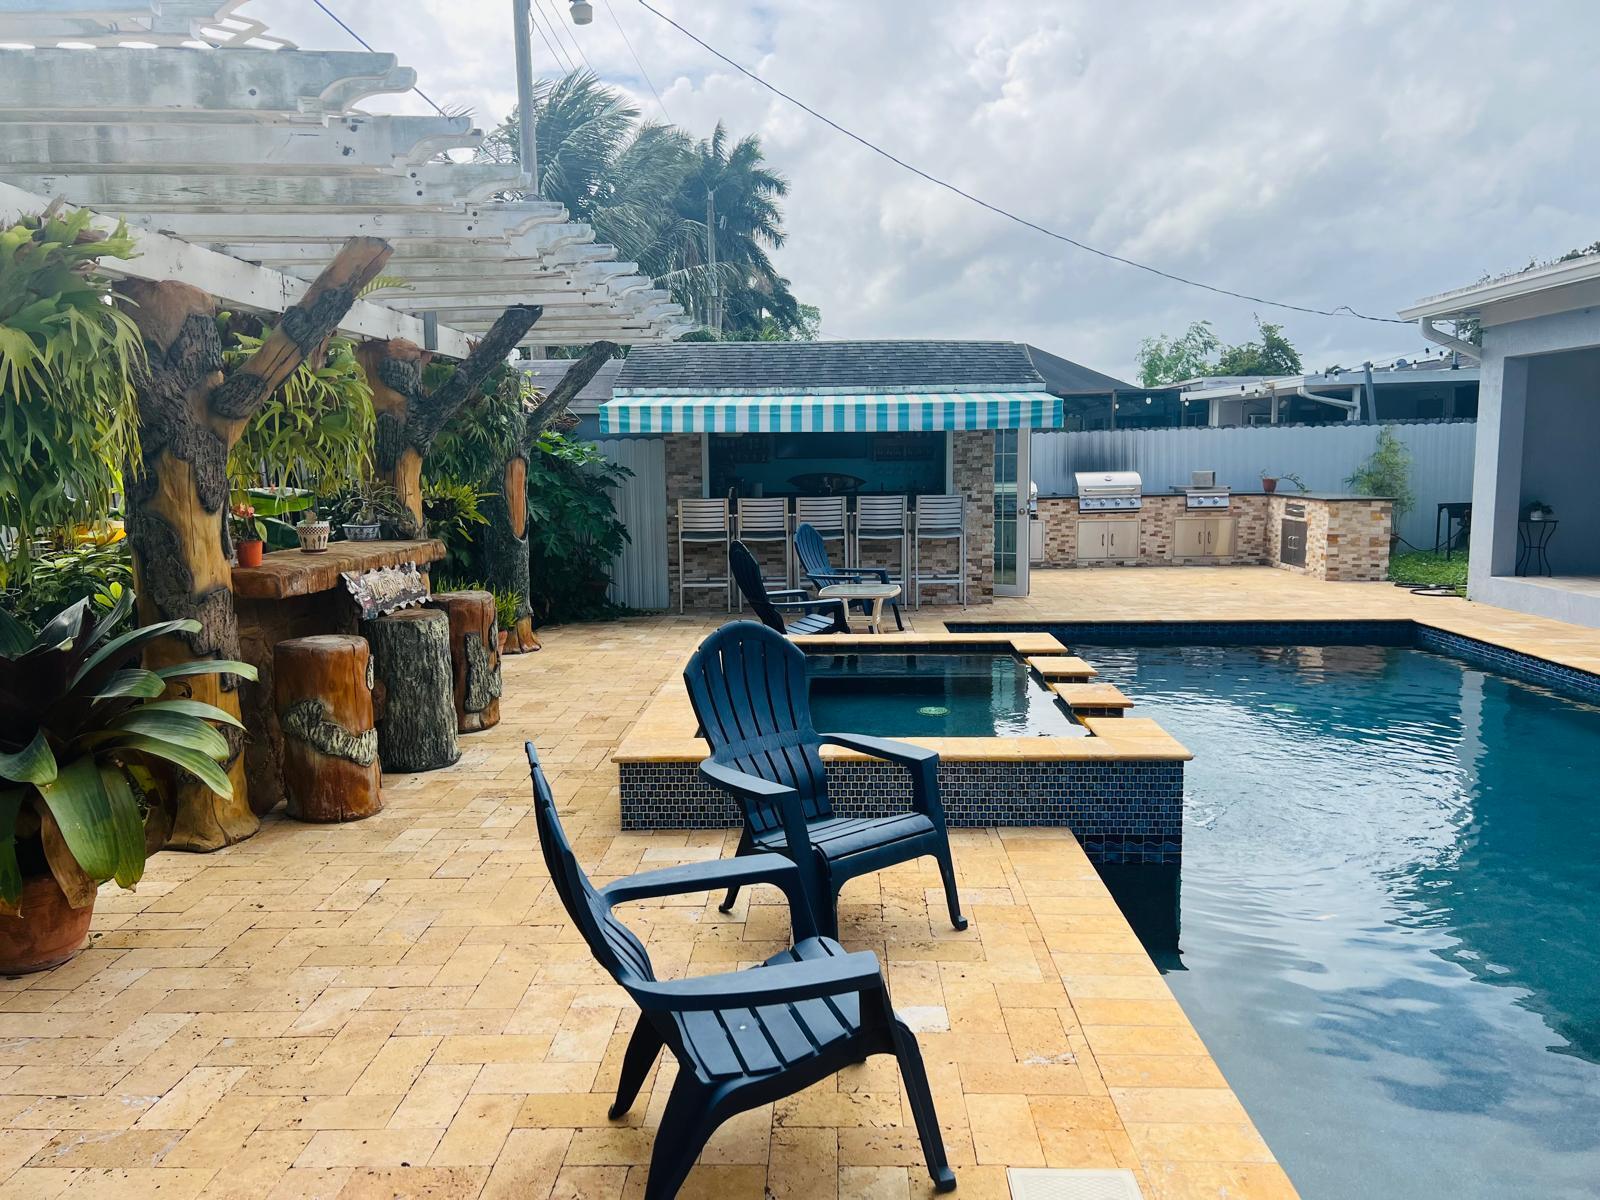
<point x="744" y="1038"/>
<point x="812" y="552"/>
<point x="821" y="616"/>
<point x="748" y="688"/>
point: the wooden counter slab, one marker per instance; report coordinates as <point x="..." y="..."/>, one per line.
<point x="286" y="573"/>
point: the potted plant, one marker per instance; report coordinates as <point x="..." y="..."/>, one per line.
<point x="364" y="508"/>
<point x="249" y="535"/>
<point x="313" y="533"/>
<point x="81" y="727"/>
<point x="1538" y="510"/>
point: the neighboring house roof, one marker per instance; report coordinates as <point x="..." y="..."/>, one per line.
<point x="1423" y="371"/>
<point x="547" y="372"/>
<point x="1066" y="378"/>
<point x="816" y="368"/>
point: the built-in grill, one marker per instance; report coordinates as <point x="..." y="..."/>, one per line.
<point x="1109" y="491"/>
<point x="1204" y="493"/>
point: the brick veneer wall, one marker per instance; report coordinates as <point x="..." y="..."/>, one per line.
<point x="1347" y="540"/>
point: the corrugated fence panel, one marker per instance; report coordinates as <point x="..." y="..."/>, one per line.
<point x="1324" y="456"/>
<point x="639" y="573"/>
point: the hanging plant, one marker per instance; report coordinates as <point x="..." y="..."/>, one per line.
<point x="68" y="414"/>
<point x="314" y="433"/>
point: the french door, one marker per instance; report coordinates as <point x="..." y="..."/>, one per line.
<point x="1011" y="488"/>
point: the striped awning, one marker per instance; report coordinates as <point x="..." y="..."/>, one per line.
<point x="855" y="413"/>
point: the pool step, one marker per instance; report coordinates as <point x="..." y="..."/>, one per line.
<point x="1093" y="699"/>
<point x="1064" y="667"/>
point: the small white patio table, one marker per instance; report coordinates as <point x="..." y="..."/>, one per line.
<point x="873" y="594"/>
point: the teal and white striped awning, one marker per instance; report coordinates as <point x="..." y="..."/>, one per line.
<point x="852" y="413"/>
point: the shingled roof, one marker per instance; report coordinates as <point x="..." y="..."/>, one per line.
<point x="545" y="373"/>
<point x="1067" y="378"/>
<point x="685" y="368"/>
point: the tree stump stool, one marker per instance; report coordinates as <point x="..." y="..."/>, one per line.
<point x="322" y="689"/>
<point x="474" y="657"/>
<point x="416" y="711"/>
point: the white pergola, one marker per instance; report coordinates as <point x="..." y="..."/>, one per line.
<point x="191" y="123"/>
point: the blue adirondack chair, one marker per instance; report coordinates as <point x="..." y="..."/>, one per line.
<point x="744" y="1038"/>
<point x="748" y="688"/>
<point x="812" y="552"/>
<point x="821" y="616"/>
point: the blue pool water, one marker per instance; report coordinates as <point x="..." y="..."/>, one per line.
<point x="1389" y="929"/>
<point x="933" y="695"/>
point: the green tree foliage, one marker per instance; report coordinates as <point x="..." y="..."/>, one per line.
<point x="1166" y="360"/>
<point x="573" y="530"/>
<point x="1387" y="472"/>
<point x="68" y="414"/>
<point x="643" y="187"/>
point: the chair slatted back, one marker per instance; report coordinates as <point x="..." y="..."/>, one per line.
<point x="812" y="552"/>
<point x="764" y="516"/>
<point x="883" y="515"/>
<point x="747" y="576"/>
<point x="748" y="688"/>
<point x="826" y="513"/>
<point x="703" y="518"/>
<point x="940" y="516"/>
<point x="610" y="941"/>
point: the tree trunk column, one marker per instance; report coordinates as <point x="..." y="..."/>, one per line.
<point x="503" y="553"/>
<point x="323" y="692"/>
<point x="412" y="690"/>
<point x="474" y="658"/>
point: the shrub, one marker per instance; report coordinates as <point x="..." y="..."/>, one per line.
<point x="1387" y="472"/>
<point x="573" y="531"/>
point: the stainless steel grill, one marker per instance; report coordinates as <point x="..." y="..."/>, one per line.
<point x="1109" y="491"/>
<point x="1203" y="492"/>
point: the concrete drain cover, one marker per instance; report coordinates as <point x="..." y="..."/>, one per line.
<point x="1035" y="1183"/>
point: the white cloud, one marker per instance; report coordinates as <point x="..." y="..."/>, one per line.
<point x="1362" y="152"/>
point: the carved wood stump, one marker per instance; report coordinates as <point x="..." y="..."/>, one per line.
<point x="412" y="693"/>
<point x="474" y="657"/>
<point x="323" y="693"/>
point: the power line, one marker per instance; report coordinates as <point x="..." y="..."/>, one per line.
<point x="368" y="46"/>
<point x="637" y="63"/>
<point x="1341" y="310"/>
<point x="553" y="16"/>
<point x="557" y="52"/>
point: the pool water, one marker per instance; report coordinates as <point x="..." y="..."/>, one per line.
<point x="934" y="695"/>
<point x="1389" y="934"/>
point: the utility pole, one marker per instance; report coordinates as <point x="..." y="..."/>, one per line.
<point x="527" y="123"/>
<point x="715" y="314"/>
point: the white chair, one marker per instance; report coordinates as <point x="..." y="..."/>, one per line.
<point x="764" y="521"/>
<point x="829" y="516"/>
<point x="940" y="519"/>
<point x="703" y="523"/>
<point x="884" y="521"/>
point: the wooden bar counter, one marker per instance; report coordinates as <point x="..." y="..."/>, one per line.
<point x="293" y="594"/>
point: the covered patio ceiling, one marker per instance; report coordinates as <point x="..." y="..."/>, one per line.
<point x="260" y="154"/>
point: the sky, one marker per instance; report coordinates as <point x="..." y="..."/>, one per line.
<point x="1318" y="152"/>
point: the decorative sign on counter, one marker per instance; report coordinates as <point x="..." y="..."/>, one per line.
<point x="386" y="590"/>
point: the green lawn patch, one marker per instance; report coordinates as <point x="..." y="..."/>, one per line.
<point x="1424" y="568"/>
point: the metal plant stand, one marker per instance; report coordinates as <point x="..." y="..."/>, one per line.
<point x="1533" y="537"/>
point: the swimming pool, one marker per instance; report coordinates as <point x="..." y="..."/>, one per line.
<point x="1389" y="934"/>
<point x="934" y="695"/>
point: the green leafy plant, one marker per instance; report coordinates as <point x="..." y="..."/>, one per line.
<point x="246" y="526"/>
<point x="363" y="502"/>
<point x="316" y="431"/>
<point x="573" y="531"/>
<point x="506" y="604"/>
<point x="93" y="571"/>
<point x="452" y="512"/>
<point x="81" y="724"/>
<point x="68" y="358"/>
<point x="1387" y="472"/>
<point x="483" y="435"/>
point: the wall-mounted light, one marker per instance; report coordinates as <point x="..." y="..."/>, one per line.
<point x="582" y="12"/>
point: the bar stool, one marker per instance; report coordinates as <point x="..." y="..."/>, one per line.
<point x="884" y="520"/>
<point x="940" y="519"/>
<point x="763" y="521"/>
<point x="829" y="516"/>
<point x="703" y="523"/>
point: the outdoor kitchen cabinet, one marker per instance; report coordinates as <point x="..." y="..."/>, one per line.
<point x="1114" y="539"/>
<point x="1204" y="537"/>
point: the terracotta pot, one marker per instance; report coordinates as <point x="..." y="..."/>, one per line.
<point x="250" y="553"/>
<point x="1268" y="485"/>
<point x="48" y="932"/>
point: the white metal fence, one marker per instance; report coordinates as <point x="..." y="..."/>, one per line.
<point x="639" y="573"/>
<point x="1324" y="456"/>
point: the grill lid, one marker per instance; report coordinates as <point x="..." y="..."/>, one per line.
<point x="1108" y="483"/>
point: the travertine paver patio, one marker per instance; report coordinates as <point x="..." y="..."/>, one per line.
<point x="399" y="1007"/>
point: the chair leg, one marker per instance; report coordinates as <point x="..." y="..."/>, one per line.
<point x="947" y="872"/>
<point x="686" y="1126"/>
<point x="745" y="847"/>
<point x="637" y="1060"/>
<point x="915" y="1077"/>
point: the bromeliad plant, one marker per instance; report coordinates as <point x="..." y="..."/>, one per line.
<point x="81" y="726"/>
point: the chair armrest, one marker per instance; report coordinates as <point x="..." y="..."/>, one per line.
<point x="702" y="877"/>
<point x="801" y="592"/>
<point x="847" y="574"/>
<point x="836" y="607"/>
<point x="807" y="881"/>
<point x="783" y="983"/>
<point x="922" y="763"/>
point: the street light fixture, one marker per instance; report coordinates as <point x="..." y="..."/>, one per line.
<point x="582" y="12"/>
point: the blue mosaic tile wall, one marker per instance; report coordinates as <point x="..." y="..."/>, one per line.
<point x="1120" y="811"/>
<point x="1569" y="681"/>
